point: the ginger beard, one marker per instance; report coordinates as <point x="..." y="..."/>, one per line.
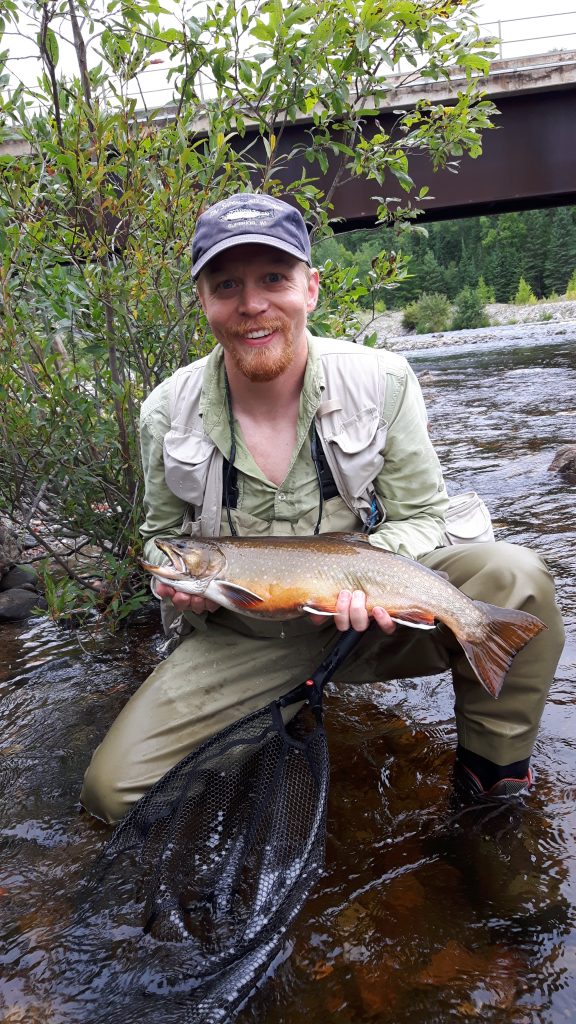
<point x="261" y="363"/>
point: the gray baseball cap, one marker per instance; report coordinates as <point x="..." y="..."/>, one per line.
<point x="246" y="218"/>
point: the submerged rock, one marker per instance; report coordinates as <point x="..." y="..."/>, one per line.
<point x="564" y="461"/>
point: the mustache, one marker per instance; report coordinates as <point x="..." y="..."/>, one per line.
<point x="244" y="327"/>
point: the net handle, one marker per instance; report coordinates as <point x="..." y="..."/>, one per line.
<point x="312" y="689"/>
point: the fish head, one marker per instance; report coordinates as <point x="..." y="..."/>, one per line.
<point x="193" y="563"/>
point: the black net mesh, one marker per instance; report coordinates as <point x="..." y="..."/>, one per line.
<point x="226" y="847"/>
<point x="229" y="844"/>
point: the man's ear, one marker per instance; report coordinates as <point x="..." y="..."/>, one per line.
<point x="313" y="289"/>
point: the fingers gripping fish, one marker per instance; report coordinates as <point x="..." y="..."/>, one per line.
<point x="285" y="577"/>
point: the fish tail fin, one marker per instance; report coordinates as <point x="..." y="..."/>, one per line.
<point x="507" y="631"/>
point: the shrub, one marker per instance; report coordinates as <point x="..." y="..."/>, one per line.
<point x="469" y="311"/>
<point x="410" y="316"/>
<point x="434" y="313"/>
<point x="524" y="296"/>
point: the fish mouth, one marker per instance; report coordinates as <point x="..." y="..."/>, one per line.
<point x="178" y="565"/>
<point x="163" y="572"/>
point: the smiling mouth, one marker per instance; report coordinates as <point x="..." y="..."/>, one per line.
<point x="256" y="338"/>
<point x="252" y="334"/>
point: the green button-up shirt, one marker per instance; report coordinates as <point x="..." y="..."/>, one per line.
<point x="410" y="485"/>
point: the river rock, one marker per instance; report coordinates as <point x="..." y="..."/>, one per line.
<point x="22" y="576"/>
<point x="564" y="461"/>
<point x="17" y="604"/>
<point x="9" y="549"/>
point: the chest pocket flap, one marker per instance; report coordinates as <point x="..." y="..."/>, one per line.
<point x="356" y="445"/>
<point x="187" y="460"/>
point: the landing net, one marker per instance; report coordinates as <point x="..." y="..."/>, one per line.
<point x="227" y="846"/>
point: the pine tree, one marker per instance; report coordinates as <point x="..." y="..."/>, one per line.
<point x="535" y="252"/>
<point x="524" y="296"/>
<point x="430" y="274"/>
<point x="561" y="256"/>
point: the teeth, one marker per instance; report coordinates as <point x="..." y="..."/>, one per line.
<point x="257" y="334"/>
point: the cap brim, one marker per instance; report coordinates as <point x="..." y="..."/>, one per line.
<point x="256" y="239"/>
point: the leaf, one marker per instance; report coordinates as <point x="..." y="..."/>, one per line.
<point x="263" y="32"/>
<point x="50" y="46"/>
<point x="172" y="35"/>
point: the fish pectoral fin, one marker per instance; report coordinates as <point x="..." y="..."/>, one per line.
<point x="241" y="598"/>
<point x="315" y="611"/>
<point x="415" y="623"/>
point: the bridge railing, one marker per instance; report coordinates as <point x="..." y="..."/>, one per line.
<point x="534" y="34"/>
<point x="540" y="35"/>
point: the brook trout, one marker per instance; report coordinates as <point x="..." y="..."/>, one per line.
<point x="285" y="577"/>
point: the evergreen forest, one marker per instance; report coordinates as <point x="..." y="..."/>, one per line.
<point x="446" y="257"/>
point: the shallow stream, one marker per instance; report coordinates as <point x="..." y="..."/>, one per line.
<point x="423" y="917"/>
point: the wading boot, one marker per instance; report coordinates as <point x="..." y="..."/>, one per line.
<point x="476" y="779"/>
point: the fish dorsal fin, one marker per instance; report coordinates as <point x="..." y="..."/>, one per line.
<point x="348" y="538"/>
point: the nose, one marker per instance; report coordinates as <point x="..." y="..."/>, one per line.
<point x="252" y="300"/>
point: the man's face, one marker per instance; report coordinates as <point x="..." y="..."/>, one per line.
<point x="256" y="300"/>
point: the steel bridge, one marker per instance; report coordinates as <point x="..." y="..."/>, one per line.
<point x="528" y="161"/>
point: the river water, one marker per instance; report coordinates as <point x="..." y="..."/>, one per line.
<point x="423" y="916"/>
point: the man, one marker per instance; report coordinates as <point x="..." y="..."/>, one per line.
<point x="251" y="440"/>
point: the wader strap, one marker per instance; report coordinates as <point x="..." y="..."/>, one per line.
<point x="229" y="484"/>
<point x="327" y="483"/>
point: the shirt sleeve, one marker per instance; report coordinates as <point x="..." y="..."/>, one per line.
<point x="410" y="485"/>
<point x="164" y="512"/>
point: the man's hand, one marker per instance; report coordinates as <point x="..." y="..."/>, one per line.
<point x="351" y="612"/>
<point x="185" y="602"/>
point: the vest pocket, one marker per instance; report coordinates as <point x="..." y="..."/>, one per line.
<point x="359" y="441"/>
<point x="468" y="520"/>
<point x="187" y="459"/>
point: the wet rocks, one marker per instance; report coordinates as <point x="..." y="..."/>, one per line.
<point x="18" y="603"/>
<point x="565" y="462"/>
<point x="545" y="320"/>
<point x="18" y="583"/>
<point x="19" y="576"/>
<point x="10" y="549"/>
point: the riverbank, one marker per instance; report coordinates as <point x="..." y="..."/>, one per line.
<point x="508" y="323"/>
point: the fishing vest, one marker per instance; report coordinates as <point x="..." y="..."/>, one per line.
<point x="361" y="392"/>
